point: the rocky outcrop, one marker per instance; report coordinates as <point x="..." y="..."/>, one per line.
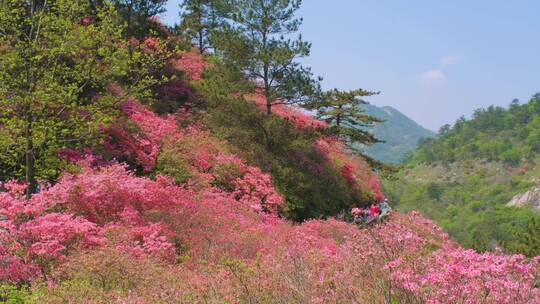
<point x="530" y="199"/>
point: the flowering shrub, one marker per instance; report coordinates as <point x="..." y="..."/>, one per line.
<point x="141" y="147"/>
<point x="133" y="148"/>
<point x="50" y="235"/>
<point x="202" y="162"/>
<point x="231" y="252"/>
<point x="353" y="169"/>
<point x="192" y="63"/>
<point x="14" y="267"/>
<point x="295" y="115"/>
<point x="90" y="203"/>
<point x="456" y="275"/>
<point x="154" y="127"/>
<point x="255" y="189"/>
<point x="174" y="95"/>
<point x="150" y="239"/>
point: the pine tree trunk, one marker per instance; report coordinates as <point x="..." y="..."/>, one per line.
<point x="201" y="42"/>
<point x="268" y="108"/>
<point x="268" y="113"/>
<point x="267" y="96"/>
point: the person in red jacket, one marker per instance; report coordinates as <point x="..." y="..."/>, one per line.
<point x="374" y="210"/>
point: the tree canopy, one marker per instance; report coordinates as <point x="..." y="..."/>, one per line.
<point x="343" y="112"/>
<point x="54" y="60"/>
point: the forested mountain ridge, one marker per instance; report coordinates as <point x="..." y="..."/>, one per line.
<point x="399" y="133"/>
<point x="495" y="134"/>
<point x="464" y="178"/>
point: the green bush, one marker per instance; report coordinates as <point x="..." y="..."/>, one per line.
<point x="10" y="294"/>
<point x="170" y="163"/>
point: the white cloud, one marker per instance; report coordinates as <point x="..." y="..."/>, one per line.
<point x="449" y="60"/>
<point x="437" y="75"/>
<point x="432" y="76"/>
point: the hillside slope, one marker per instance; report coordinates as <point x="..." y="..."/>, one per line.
<point x="399" y="133"/>
<point x="465" y="178"/>
<point x="182" y="198"/>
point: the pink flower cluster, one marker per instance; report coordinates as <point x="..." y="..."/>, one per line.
<point x="355" y="170"/>
<point x="211" y="165"/>
<point x="193" y="63"/>
<point x="407" y="257"/>
<point x="456" y="275"/>
<point x="151" y="125"/>
<point x="204" y="156"/>
<point x="297" y="116"/>
<point x="79" y="211"/>
<point x="142" y="147"/>
<point x="255" y="189"/>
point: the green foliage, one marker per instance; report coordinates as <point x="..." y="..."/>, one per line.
<point x="169" y="163"/>
<point x="10" y="294"/>
<point x="255" y="41"/>
<point x="464" y="178"/>
<point x="136" y="14"/>
<point x="56" y="61"/>
<point x="526" y="241"/>
<point x="342" y="111"/>
<point x="49" y="65"/>
<point x="434" y="191"/>
<point x="200" y="19"/>
<point x="310" y="185"/>
<point x="468" y="200"/>
<point x="495" y="134"/>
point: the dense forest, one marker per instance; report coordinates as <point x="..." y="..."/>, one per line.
<point x="146" y="163"/>
<point x="495" y="134"/>
<point x="465" y="177"/>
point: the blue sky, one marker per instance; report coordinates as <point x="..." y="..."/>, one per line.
<point x="434" y="60"/>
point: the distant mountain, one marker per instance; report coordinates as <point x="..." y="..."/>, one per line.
<point x="400" y="133"/>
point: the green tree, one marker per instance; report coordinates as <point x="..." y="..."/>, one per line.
<point x="258" y="44"/>
<point x="342" y="110"/>
<point x="434" y="191"/>
<point x="309" y="191"/>
<point x="199" y="18"/>
<point x="527" y="241"/>
<point x="54" y="59"/>
<point x="136" y="14"/>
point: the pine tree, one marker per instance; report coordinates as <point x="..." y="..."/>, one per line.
<point x="342" y="110"/>
<point x="199" y="19"/>
<point x="526" y="241"/>
<point x="258" y="44"/>
<point x="136" y="14"/>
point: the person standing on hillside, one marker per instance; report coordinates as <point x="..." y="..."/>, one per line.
<point x="374" y="210"/>
<point x="384" y="207"/>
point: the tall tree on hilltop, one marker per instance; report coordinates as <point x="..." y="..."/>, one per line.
<point x="137" y="12"/>
<point x="342" y="110"/>
<point x="258" y="43"/>
<point x="199" y="19"/>
<point x="54" y="58"/>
